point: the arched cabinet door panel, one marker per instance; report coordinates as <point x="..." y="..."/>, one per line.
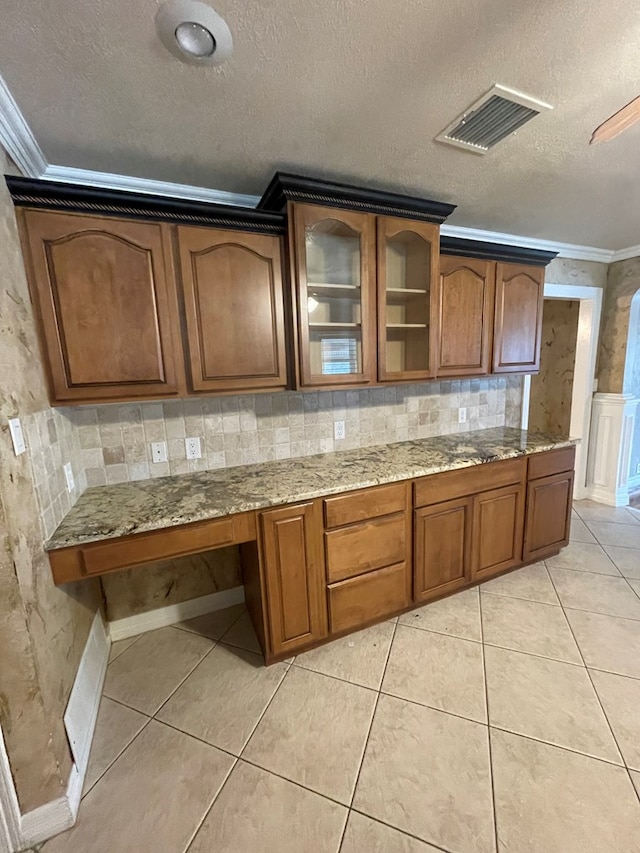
<point x="233" y="299"/>
<point x="518" y="318"/>
<point x="107" y="306"/>
<point x="466" y="299"/>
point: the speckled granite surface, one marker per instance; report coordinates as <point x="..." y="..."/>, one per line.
<point x="104" y="512"/>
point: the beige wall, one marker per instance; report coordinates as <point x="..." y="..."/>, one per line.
<point x="551" y="389"/>
<point x="43" y="629"/>
<point x="623" y="282"/>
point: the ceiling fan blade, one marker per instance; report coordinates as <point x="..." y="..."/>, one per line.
<point x="623" y="119"/>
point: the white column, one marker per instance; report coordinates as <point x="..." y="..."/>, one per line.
<point x="612" y="424"/>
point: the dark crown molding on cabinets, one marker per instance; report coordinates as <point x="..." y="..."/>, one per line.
<point x="494" y="251"/>
<point x="285" y="187"/>
<point x="71" y="198"/>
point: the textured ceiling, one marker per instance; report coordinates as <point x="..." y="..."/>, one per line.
<point x="350" y="89"/>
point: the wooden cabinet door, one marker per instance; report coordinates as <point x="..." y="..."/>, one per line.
<point x="442" y="549"/>
<point x="232" y="283"/>
<point x="294" y="576"/>
<point x="518" y="318"/>
<point x="498" y="530"/>
<point x="548" y="515"/>
<point x="466" y="299"/>
<point x="407" y="254"/>
<point x="334" y="264"/>
<point x="107" y="304"/>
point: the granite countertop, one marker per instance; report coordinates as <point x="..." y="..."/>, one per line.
<point x="105" y="512"/>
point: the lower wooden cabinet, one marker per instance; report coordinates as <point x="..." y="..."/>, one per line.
<point x="293" y="576"/>
<point x="442" y="548"/>
<point x="498" y="531"/>
<point x="548" y="515"/>
<point x="364" y="599"/>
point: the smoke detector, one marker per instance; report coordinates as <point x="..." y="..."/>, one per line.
<point x="194" y="32"/>
<point x="493" y="117"/>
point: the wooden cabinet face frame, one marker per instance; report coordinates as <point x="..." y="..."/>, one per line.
<point x="466" y="302"/>
<point x="518" y="318"/>
<point x="244" y="348"/>
<point x="106" y="300"/>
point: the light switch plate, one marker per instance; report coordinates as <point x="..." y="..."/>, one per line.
<point x="192" y="448"/>
<point x="68" y="475"/>
<point x="17" y="436"/>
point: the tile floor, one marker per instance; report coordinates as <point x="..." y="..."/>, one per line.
<point x="504" y="718"/>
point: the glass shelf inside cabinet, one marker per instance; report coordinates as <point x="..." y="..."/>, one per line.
<point x="408" y="285"/>
<point x="334" y="298"/>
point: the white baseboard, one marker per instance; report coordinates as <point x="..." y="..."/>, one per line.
<point x="610" y="497"/>
<point x="19" y="831"/>
<point x="130" y="626"/>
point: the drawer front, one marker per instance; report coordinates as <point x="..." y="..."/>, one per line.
<point x="163" y="545"/>
<point x="468" y="481"/>
<point x="552" y="462"/>
<point x="358" y="601"/>
<point x="362" y="547"/>
<point x="364" y="504"/>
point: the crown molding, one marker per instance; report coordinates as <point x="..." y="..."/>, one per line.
<point x="17" y="138"/>
<point x="562" y="250"/>
<point x="626" y="254"/>
<point x="107" y="180"/>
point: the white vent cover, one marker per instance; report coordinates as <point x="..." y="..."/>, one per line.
<point x="494" y="116"/>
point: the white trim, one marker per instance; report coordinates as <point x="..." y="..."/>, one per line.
<point x="10" y="838"/>
<point x="584" y="373"/>
<point x="610" y="448"/>
<point x="17" y="138"/>
<point x="625" y="254"/>
<point x="131" y="626"/>
<point x="106" y="180"/>
<point x="526" y="399"/>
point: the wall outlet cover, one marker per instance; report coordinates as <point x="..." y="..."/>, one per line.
<point x="158" y="451"/>
<point x="339" y="430"/>
<point x="192" y="447"/>
<point x="68" y="475"/>
<point x="17" y="436"/>
<point x="462" y="415"/>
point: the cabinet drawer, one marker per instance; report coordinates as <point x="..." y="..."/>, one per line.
<point x="552" y="462"/>
<point x="468" y="481"/>
<point x="369" y="545"/>
<point x="357" y="601"/>
<point x="364" y="504"/>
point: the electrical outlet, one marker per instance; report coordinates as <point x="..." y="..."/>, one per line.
<point x="17" y="436"/>
<point x="158" y="451"/>
<point x="339" y="431"/>
<point x="462" y="415"/>
<point x="192" y="447"/>
<point x="68" y="475"/>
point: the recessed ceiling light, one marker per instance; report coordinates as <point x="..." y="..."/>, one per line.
<point x="194" y="32"/>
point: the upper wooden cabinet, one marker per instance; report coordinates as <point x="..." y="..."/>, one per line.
<point x="234" y="307"/>
<point x="407" y="269"/>
<point x="107" y="305"/>
<point x="518" y="318"/>
<point x="466" y="301"/>
<point x="334" y="262"/>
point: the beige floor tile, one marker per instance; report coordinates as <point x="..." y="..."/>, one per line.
<point x="583" y="557"/>
<point x="436" y="670"/>
<point x="359" y="658"/>
<point x="547" y="700"/>
<point x="625" y="535"/>
<point x="242" y="635"/>
<point x="549" y="800"/>
<point x="214" y="625"/>
<point x="596" y="593"/>
<point x="224" y="697"/>
<point x="531" y="582"/>
<point x="627" y="560"/>
<point x="153" y="798"/>
<point x="364" y="835"/>
<point x="635" y="778"/>
<point x="121" y="646"/>
<point x="620" y="699"/>
<point x="145" y="675"/>
<point x="314" y="733"/>
<point x="591" y="511"/>
<point x="258" y="812"/>
<point x="458" y="615"/>
<point x="580" y="532"/>
<point x="528" y="626"/>
<point x="607" y="642"/>
<point x="635" y="585"/>
<point x="427" y="773"/>
<point x="116" y="727"/>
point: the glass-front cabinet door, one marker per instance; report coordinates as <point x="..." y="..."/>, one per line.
<point x="407" y="298"/>
<point x="335" y="259"/>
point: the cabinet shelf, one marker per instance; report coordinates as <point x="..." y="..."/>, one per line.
<point x="407" y="326"/>
<point x="322" y="287"/>
<point x="405" y="292"/>
<point x="330" y="325"/>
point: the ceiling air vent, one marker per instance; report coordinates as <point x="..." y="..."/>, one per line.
<point x="493" y="117"/>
